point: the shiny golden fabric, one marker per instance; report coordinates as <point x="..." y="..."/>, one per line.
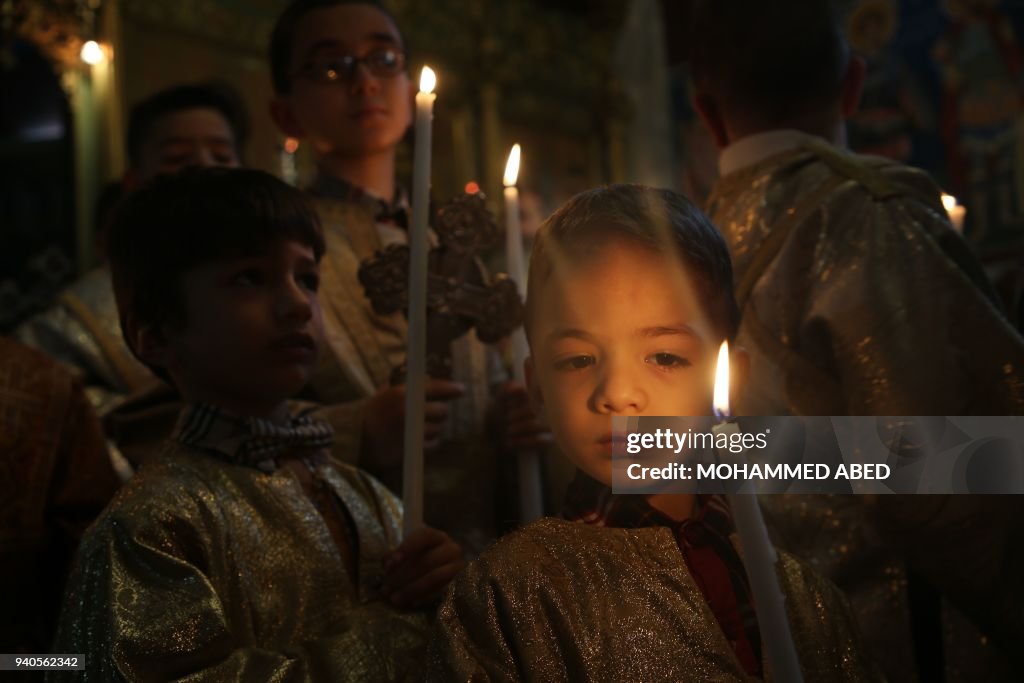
<point x="55" y="478"/>
<point x="461" y="475"/>
<point x="83" y="331"/>
<point x="562" y="601"/>
<point x="220" y="572"/>
<point x="870" y="307"/>
<point x="864" y="310"/>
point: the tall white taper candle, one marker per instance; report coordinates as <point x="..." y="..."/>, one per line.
<point x="416" y="354"/>
<point x="759" y="555"/>
<point x="531" y="505"/>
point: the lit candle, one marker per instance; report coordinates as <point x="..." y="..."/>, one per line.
<point x="956" y="212"/>
<point x="759" y="555"/>
<point x="530" y="498"/>
<point x="289" y="169"/>
<point x="416" y="354"/>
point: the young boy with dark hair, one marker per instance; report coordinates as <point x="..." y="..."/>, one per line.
<point x="630" y="296"/>
<point x="240" y="550"/>
<point x="342" y="87"/>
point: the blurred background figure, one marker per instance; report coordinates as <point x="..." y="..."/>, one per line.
<point x="189" y="125"/>
<point x="55" y="478"/>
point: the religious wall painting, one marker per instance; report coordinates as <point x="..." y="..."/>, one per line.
<point x="983" y="121"/>
<point x="894" y="106"/>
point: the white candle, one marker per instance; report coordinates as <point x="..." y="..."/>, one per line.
<point x="530" y="497"/>
<point x="956" y="212"/>
<point x="759" y="557"/>
<point x="289" y="169"/>
<point x="416" y="355"/>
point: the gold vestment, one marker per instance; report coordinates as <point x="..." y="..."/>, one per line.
<point x="83" y="331"/>
<point x="858" y="298"/>
<point x="220" y="572"/>
<point x="55" y="478"/>
<point x="564" y="601"/>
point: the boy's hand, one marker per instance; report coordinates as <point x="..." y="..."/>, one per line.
<point x="384" y="422"/>
<point x="516" y="422"/>
<point x="418" y="571"/>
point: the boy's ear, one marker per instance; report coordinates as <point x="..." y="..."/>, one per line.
<point x="532" y="385"/>
<point x="739" y="368"/>
<point x="283" y="115"/>
<point x="148" y="341"/>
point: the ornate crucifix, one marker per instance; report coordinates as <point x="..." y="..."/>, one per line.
<point x="459" y="295"/>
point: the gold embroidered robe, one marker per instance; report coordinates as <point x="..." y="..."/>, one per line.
<point x="219" y="572"/>
<point x="564" y="601"/>
<point x="858" y="298"/>
<point x="83" y="331"/>
<point x="55" y="478"/>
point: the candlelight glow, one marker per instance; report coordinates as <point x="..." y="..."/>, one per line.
<point x="948" y="201"/>
<point x="92" y="54"/>
<point x="512" y="167"/>
<point x="721" y="400"/>
<point x="427" y="80"/>
<point x="291" y="145"/>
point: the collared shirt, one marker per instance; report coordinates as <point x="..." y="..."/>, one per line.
<point x="392" y="217"/>
<point x="251" y="441"/>
<point x="703" y="539"/>
<point x="755" y="148"/>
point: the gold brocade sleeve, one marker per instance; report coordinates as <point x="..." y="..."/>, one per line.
<point x="560" y="601"/>
<point x="872" y="305"/>
<point x="214" y="573"/>
<point x="915" y="337"/>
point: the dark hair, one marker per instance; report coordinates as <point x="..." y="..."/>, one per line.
<point x="217" y="96"/>
<point x="200" y="215"/>
<point x="662" y="220"/>
<point x="776" y="59"/>
<point x="282" y="39"/>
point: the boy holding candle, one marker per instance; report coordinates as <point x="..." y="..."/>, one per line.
<point x="339" y="73"/>
<point x="241" y="551"/>
<point x="630" y="295"/>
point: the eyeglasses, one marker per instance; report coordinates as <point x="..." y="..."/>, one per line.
<point x="382" y="63"/>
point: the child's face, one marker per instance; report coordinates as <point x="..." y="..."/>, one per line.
<point x="252" y="330"/>
<point x="191" y="137"/>
<point x="622" y="332"/>
<point x="351" y="117"/>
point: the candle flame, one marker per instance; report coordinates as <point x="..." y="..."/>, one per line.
<point x="948" y="201"/>
<point x="428" y="79"/>
<point x="721" y="400"/>
<point x="92" y="53"/>
<point x="512" y="167"/>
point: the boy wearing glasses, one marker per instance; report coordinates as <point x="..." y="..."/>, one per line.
<point x="342" y="87"/>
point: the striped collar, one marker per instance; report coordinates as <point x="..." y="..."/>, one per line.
<point x="250" y="441"/>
